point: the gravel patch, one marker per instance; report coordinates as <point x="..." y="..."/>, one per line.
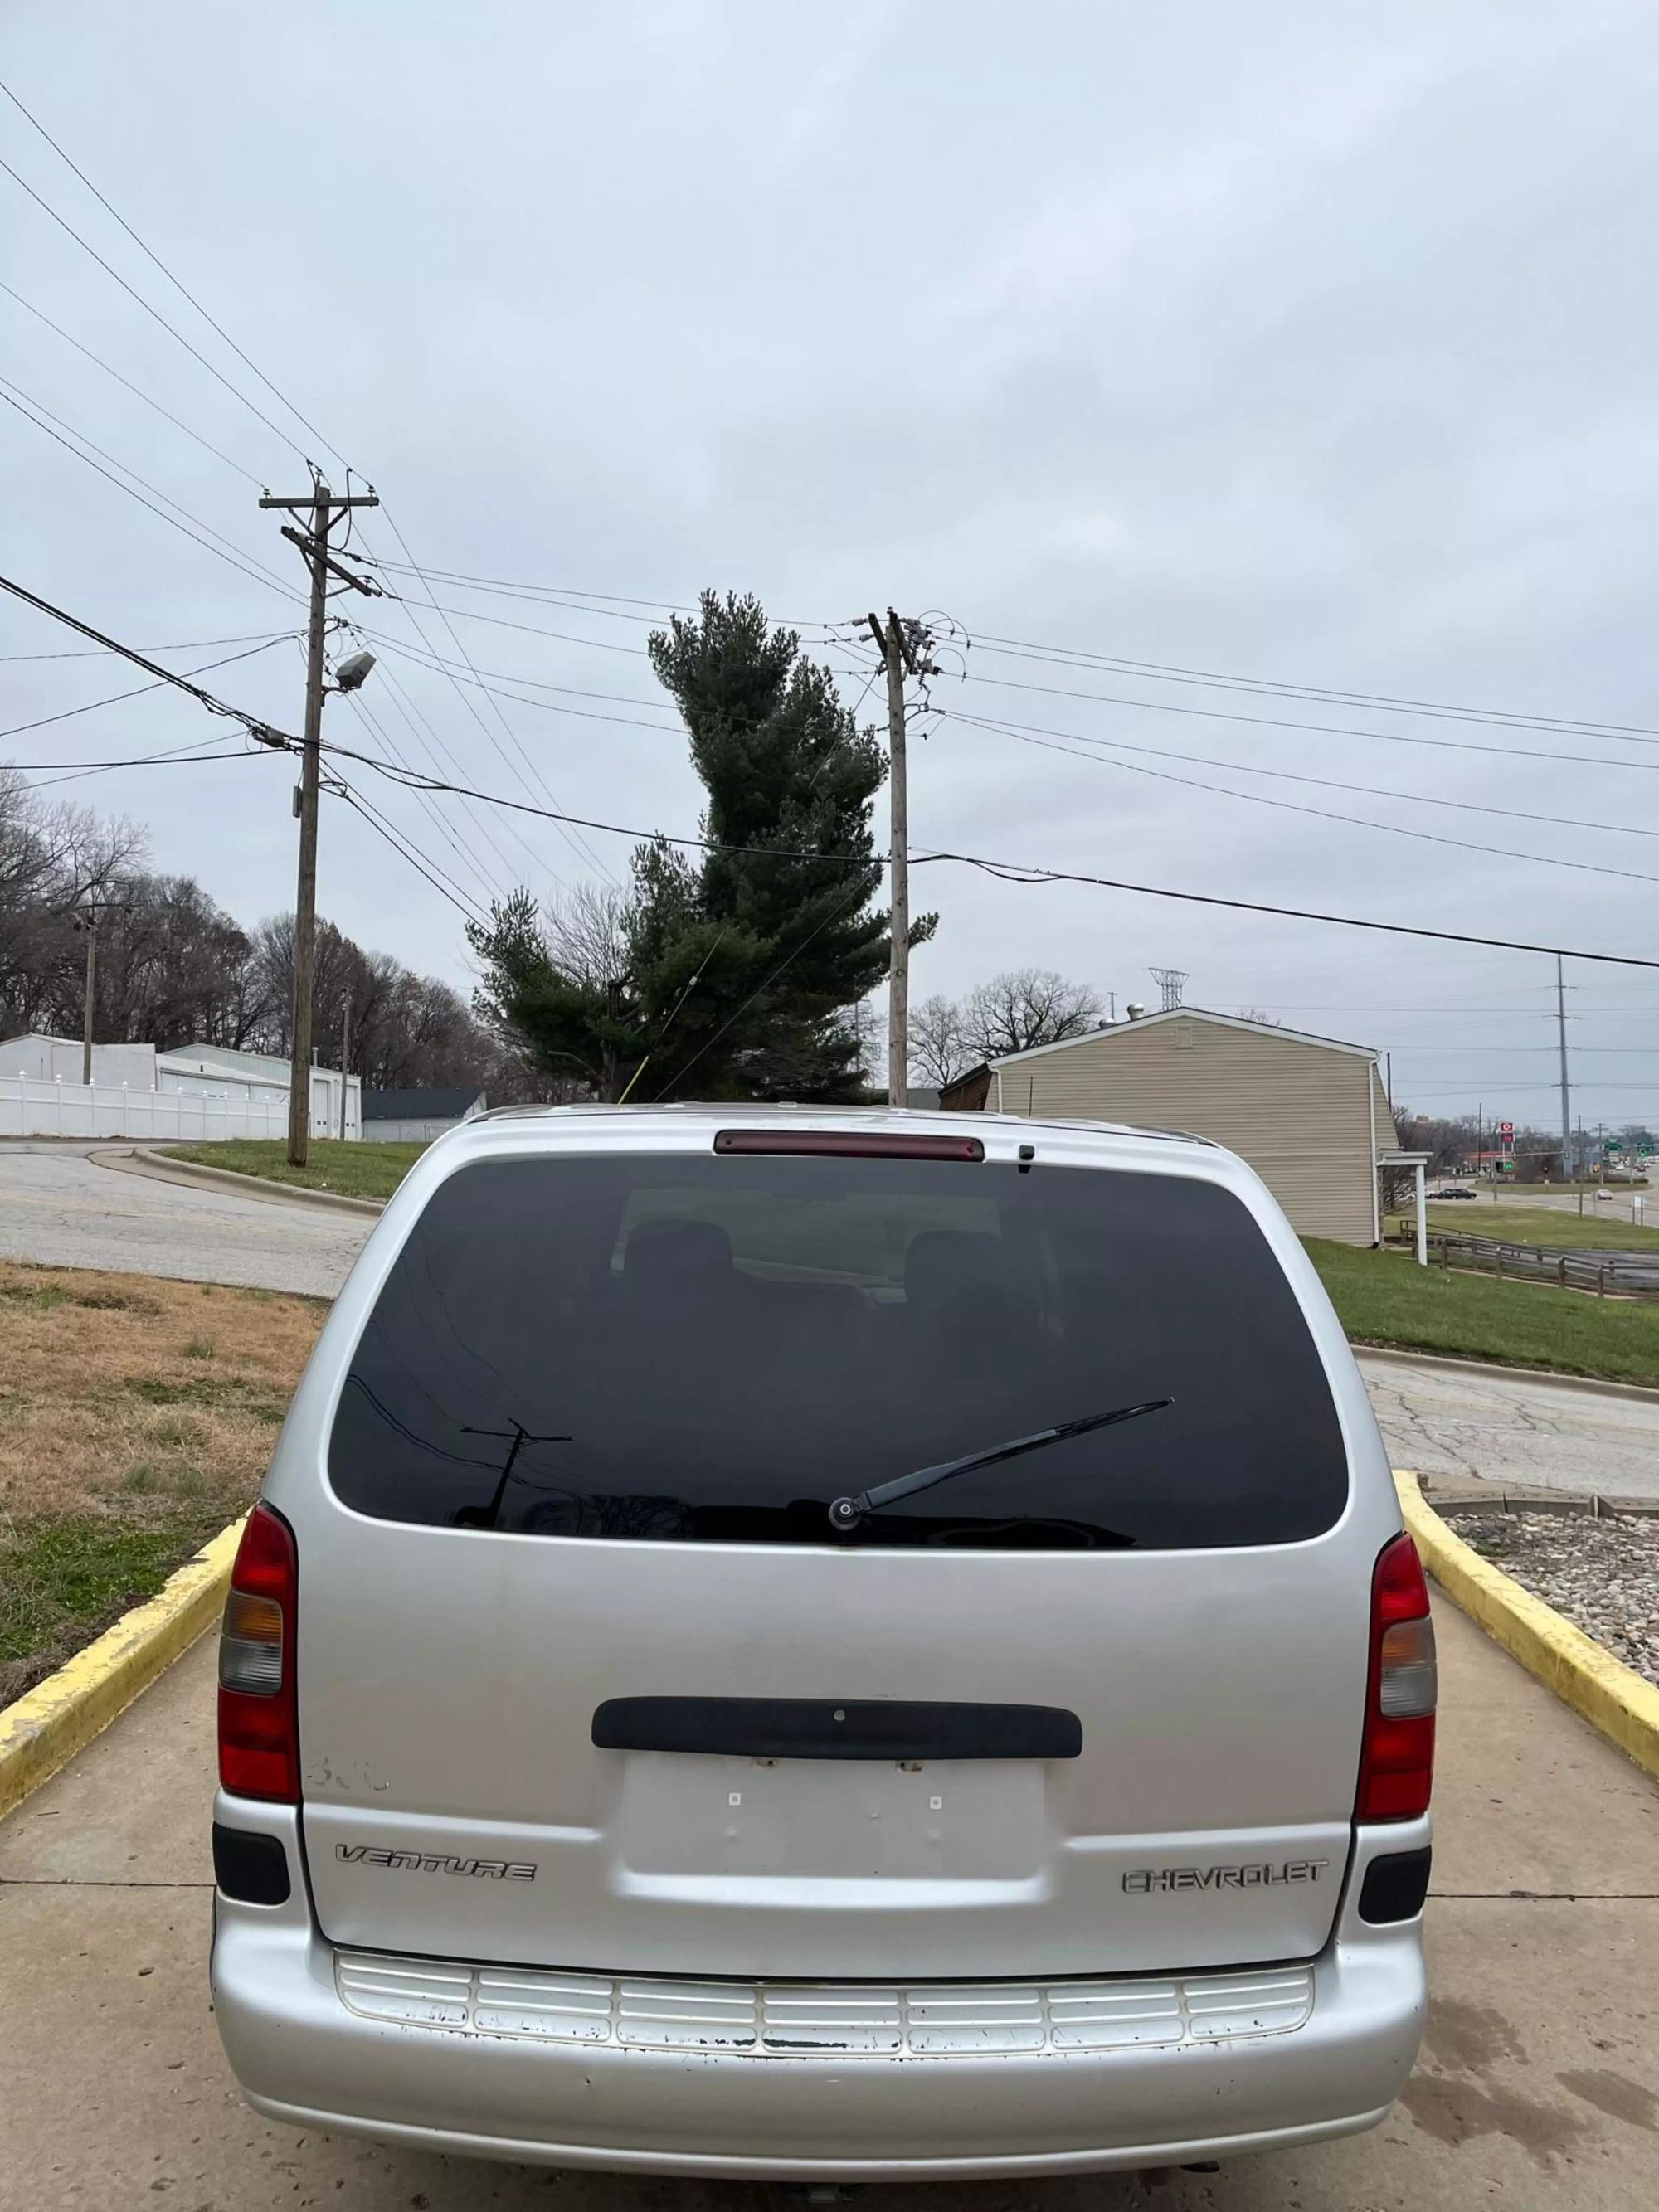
<point x="1603" y="1575"/>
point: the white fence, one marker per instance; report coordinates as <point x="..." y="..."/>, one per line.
<point x="57" y="1109"/>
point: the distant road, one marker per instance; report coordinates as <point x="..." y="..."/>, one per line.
<point x="61" y="1208"/>
<point x="1618" y="1208"/>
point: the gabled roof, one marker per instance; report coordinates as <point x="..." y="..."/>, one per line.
<point x="1187" y="1014"/>
<point x="447" y="1104"/>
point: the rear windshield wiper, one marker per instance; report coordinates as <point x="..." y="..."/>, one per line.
<point x="846" y="1513"/>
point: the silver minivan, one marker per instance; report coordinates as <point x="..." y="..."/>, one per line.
<point x="826" y="1646"/>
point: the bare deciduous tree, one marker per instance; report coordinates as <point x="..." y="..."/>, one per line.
<point x="586" y="933"/>
<point x="1026" y="1006"/>
<point x="939" y="1051"/>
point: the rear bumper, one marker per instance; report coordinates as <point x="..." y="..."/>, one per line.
<point x="305" y="2056"/>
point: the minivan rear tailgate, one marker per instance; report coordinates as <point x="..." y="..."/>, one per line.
<point x="456" y="1803"/>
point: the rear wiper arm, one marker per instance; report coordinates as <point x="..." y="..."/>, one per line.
<point x="847" y="1512"/>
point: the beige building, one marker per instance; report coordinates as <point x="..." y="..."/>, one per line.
<point x="1309" y="1114"/>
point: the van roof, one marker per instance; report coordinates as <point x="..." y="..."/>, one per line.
<point x="714" y="1113"/>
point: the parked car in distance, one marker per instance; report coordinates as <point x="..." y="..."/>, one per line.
<point x="826" y="1646"/>
<point x="1452" y="1190"/>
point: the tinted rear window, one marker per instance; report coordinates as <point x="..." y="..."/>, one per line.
<point x="702" y="1349"/>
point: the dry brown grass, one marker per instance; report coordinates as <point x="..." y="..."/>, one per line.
<point x="136" y="1417"/>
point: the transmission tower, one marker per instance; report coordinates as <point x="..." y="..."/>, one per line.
<point x="1169" y="982"/>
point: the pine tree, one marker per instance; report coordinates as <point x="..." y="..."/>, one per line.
<point x="737" y="975"/>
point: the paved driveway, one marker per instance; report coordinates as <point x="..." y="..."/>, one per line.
<point x="1535" y="2090"/>
<point x="61" y="1207"/>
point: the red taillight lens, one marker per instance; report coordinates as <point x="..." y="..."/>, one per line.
<point x="259" y="1731"/>
<point x="1397" y="1767"/>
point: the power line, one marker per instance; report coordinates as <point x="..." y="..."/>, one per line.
<point x="571" y="593"/>
<point x="245" y="562"/>
<point x="255" y="724"/>
<point x="137" y="390"/>
<point x="116" y="698"/>
<point x="408" y="852"/>
<point x="1034" y="731"/>
<point x="437" y="667"/>
<point x="189" y="755"/>
<point x="1113" y="663"/>
<point x="184" y="645"/>
<point x="153" y="313"/>
<point x="833" y="915"/>
<point x="177" y="284"/>
<point x="1314" y="729"/>
<point x="429" y="805"/>
<point x="1449" y="1090"/>
<point x="1028" y="875"/>
<point x="1323" y="813"/>
<point x="578" y="597"/>
<point x="578" y="843"/>
<point x="442" y="666"/>
<point x="531" y="629"/>
<point x="432" y="744"/>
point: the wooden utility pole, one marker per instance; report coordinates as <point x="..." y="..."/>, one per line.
<point x="899" y="656"/>
<point x="322" y="506"/>
<point x="91" y="927"/>
<point x="345" y="1057"/>
<point x="86" y="917"/>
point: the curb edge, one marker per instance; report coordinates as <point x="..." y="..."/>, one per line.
<point x="1556" y="1378"/>
<point x="50" y="1723"/>
<point x="163" y="1167"/>
<point x="1582" y="1673"/>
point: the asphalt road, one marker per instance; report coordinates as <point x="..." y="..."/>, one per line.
<point x="1536" y="2089"/>
<point x="61" y="1207"/>
<point x="1513" y="1432"/>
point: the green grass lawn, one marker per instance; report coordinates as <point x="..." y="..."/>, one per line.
<point x="1385" y="1297"/>
<point x="1552" y="1227"/>
<point x="352" y="1170"/>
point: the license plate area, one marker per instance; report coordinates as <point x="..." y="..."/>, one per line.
<point x="982" y="1820"/>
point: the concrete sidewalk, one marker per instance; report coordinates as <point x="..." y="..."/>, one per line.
<point x="1536" y="2086"/>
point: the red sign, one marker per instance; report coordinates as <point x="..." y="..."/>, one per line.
<point x="1506" y="1128"/>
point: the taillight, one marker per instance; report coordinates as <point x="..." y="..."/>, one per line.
<point x="259" y="1731"/>
<point x="1397" y="1767"/>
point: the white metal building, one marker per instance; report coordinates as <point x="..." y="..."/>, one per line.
<point x="198" y="1093"/>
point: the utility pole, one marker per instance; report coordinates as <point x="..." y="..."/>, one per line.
<point x="1579" y="1150"/>
<point x="86" y="917"/>
<point x="898" y="655"/>
<point x="92" y="979"/>
<point x="345" y="1057"/>
<point x="1561" y="1039"/>
<point x="322" y="506"/>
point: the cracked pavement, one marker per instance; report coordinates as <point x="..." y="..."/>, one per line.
<point x="1510" y="1431"/>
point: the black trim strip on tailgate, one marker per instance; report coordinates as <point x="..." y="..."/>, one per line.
<point x="818" y="1728"/>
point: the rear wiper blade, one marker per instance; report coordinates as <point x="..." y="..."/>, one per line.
<point x="847" y="1512"/>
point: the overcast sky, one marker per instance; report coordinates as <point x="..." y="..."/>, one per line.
<point x="1294" y="343"/>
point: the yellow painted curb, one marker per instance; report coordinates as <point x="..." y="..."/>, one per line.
<point x="1583" y="1674"/>
<point x="44" y="1729"/>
